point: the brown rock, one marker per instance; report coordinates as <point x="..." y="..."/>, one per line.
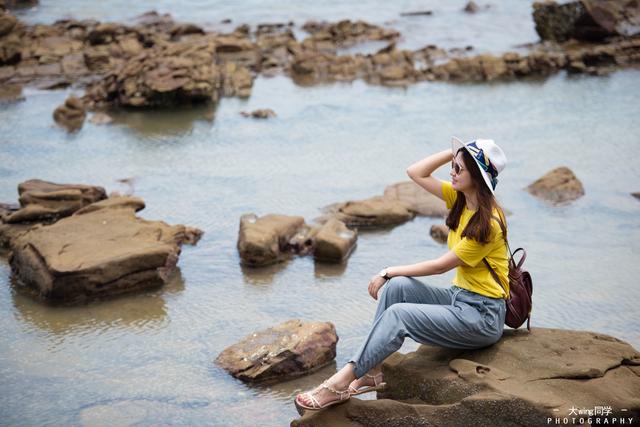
<point x="588" y="20"/>
<point x="237" y="81"/>
<point x="7" y="23"/>
<point x="417" y="13"/>
<point x="167" y="74"/>
<point x="11" y="48"/>
<point x="376" y="211"/>
<point x="71" y="114"/>
<point x="471" y="7"/>
<point x="264" y="113"/>
<point x="557" y="186"/>
<point x="122" y="202"/>
<point x="264" y="240"/>
<point x="21" y="3"/>
<point x="439" y="232"/>
<point x="502" y="384"/>
<point x="285" y="351"/>
<point x="10" y="93"/>
<point x="74" y="64"/>
<point x="636" y="194"/>
<point x="43" y="201"/>
<point x="417" y="199"/>
<point x="334" y="242"/>
<point x="106" y="252"/>
<point x="345" y="33"/>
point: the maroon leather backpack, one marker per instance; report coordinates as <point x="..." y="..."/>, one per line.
<point x="520" y="288"/>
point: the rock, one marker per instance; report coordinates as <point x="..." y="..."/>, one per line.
<point x="71" y="114"/>
<point x="74" y="64"/>
<point x="237" y="81"/>
<point x="8" y="232"/>
<point x="104" y="252"/>
<point x="636" y="194"/>
<point x="263" y="241"/>
<point x="417" y="199"/>
<point x="21" y="3"/>
<point x="11" y="44"/>
<point x="285" y="351"/>
<point x="343" y="34"/>
<point x="10" y="93"/>
<point x="417" y="13"/>
<point x="334" y="242"/>
<point x="43" y="201"/>
<point x="500" y="384"/>
<point x="7" y="22"/>
<point x="101" y="118"/>
<point x="118" y="202"/>
<point x="588" y="20"/>
<point x="471" y="7"/>
<point x="185" y="29"/>
<point x="259" y="114"/>
<point x="558" y="186"/>
<point x="303" y="241"/>
<point x="168" y="74"/>
<point x="376" y="211"/>
<point x="440" y="233"/>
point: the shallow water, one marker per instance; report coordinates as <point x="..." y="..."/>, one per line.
<point x="147" y="359"/>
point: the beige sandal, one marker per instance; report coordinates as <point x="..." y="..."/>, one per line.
<point x="377" y="386"/>
<point x="343" y="396"/>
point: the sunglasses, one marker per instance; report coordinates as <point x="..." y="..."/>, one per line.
<point x="457" y="169"/>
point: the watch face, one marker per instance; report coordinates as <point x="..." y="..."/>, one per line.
<point x="383" y="273"/>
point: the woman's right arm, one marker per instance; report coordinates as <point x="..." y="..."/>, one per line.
<point x="420" y="172"/>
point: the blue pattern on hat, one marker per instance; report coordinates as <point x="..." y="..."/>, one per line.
<point x="484" y="162"/>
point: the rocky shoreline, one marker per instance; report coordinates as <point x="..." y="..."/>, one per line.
<point x="159" y="62"/>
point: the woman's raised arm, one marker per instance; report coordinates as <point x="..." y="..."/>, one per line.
<point x="420" y="172"/>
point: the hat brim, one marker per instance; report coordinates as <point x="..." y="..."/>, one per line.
<point x="456" y="145"/>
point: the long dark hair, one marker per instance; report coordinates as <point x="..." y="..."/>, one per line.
<point x="479" y="226"/>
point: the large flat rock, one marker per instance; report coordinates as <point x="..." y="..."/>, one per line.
<point x="523" y="379"/>
<point x="101" y="251"/>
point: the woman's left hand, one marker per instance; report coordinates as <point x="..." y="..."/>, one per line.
<point x="375" y="284"/>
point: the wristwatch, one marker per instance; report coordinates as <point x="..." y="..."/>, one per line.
<point x="383" y="273"/>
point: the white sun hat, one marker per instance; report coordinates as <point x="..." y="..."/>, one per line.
<point x="490" y="158"/>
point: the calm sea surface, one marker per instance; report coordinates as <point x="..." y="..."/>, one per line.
<point x="147" y="359"/>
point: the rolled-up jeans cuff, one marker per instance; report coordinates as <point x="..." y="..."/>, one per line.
<point x="356" y="369"/>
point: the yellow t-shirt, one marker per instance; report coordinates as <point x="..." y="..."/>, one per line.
<point x="475" y="276"/>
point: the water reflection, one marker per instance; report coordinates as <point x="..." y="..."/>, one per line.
<point x="143" y="311"/>
<point x="263" y="275"/>
<point x="323" y="270"/>
<point x="164" y="122"/>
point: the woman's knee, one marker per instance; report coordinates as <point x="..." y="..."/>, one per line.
<point x="398" y="283"/>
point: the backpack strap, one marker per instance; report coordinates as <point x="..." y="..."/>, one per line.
<point x="495" y="275"/>
<point x="509" y="260"/>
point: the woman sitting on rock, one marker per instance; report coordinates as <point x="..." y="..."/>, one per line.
<point x="468" y="315"/>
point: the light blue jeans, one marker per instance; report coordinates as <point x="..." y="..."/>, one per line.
<point x="446" y="317"/>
